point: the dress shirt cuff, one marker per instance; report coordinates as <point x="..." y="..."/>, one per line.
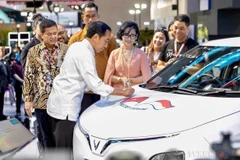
<point x="108" y="90"/>
<point x="28" y="99"/>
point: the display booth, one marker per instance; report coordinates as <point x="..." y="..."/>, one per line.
<point x="18" y="39"/>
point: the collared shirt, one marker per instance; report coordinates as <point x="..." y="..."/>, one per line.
<point x="23" y="55"/>
<point x="41" y="68"/>
<point x="101" y="58"/>
<point x="78" y="71"/>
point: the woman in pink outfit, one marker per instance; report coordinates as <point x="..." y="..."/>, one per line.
<point x="127" y="65"/>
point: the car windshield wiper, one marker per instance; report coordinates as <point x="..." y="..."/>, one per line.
<point x="225" y="93"/>
<point x="174" y="89"/>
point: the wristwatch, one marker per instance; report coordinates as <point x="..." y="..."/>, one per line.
<point x="119" y="79"/>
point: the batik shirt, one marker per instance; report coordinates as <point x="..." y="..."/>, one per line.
<point x="42" y="66"/>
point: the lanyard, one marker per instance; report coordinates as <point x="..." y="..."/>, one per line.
<point x="128" y="65"/>
<point x="177" y="52"/>
<point x="50" y="60"/>
<point x="50" y="57"/>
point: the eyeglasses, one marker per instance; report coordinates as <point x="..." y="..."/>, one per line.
<point x="131" y="36"/>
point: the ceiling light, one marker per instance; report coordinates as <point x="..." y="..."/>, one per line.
<point x="137" y="11"/>
<point x="30" y="14"/>
<point x="56" y="9"/>
<point x="132" y="11"/>
<point x="119" y="23"/>
<point x="24" y="13"/>
<point x="70" y="23"/>
<point x="143" y="6"/>
<point x="137" y="6"/>
<point x="146" y="23"/>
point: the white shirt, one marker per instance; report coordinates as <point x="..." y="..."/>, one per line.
<point x="77" y="72"/>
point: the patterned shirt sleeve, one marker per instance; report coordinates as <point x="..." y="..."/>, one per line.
<point x="29" y="77"/>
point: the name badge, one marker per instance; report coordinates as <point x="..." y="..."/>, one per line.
<point x="49" y="78"/>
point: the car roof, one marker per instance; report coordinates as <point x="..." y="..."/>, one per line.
<point x="231" y="42"/>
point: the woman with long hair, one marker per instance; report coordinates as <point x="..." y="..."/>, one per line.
<point x="154" y="49"/>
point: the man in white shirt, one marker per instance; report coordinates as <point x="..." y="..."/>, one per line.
<point x="77" y="72"/>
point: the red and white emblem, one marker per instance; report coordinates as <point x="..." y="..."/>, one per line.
<point x="137" y="103"/>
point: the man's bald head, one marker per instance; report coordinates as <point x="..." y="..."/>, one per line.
<point x="60" y="27"/>
<point x="62" y="34"/>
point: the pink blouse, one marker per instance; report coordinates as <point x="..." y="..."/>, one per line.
<point x="118" y="66"/>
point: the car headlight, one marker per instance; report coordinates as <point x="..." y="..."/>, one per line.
<point x="174" y="155"/>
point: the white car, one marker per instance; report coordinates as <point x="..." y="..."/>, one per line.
<point x="175" y="115"/>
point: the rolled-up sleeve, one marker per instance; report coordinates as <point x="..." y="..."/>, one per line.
<point x="87" y="69"/>
<point x="29" y="77"/>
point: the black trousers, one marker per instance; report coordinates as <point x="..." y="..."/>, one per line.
<point x="63" y="133"/>
<point x="18" y="91"/>
<point x="2" y="92"/>
<point x="88" y="100"/>
<point x="43" y="120"/>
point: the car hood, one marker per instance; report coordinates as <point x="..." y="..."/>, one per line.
<point x="152" y="113"/>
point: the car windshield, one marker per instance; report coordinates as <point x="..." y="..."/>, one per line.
<point x="204" y="71"/>
<point x="187" y="65"/>
<point x="221" y="74"/>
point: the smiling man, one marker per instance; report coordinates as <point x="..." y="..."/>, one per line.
<point x="62" y="34"/>
<point x="78" y="72"/>
<point x="179" y="45"/>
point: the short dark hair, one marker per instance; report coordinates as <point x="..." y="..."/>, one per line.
<point x="97" y="27"/>
<point x="164" y="31"/>
<point x="125" y="25"/>
<point x="89" y="5"/>
<point x="46" y="23"/>
<point x="183" y="18"/>
<point x="37" y="18"/>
